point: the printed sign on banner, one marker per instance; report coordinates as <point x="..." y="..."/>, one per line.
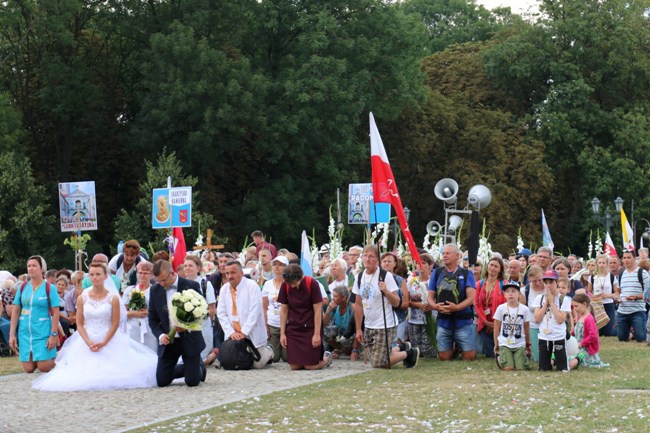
<point x="361" y="207"/>
<point x="77" y="206"/>
<point x="171" y="207"/>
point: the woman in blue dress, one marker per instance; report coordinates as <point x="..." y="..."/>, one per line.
<point x="38" y="314"/>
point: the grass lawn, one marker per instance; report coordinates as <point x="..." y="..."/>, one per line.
<point x="452" y="397"/>
<point x="10" y="365"/>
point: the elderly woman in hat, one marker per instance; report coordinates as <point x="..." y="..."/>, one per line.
<point x="301" y="320"/>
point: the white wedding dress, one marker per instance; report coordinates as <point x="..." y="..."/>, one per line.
<point x="121" y="364"/>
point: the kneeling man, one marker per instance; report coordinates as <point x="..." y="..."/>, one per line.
<point x="240" y="311"/>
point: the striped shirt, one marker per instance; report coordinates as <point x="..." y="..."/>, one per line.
<point x="630" y="286"/>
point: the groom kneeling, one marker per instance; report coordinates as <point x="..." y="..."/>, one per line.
<point x="187" y="344"/>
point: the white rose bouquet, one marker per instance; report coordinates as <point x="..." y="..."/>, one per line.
<point x="187" y="310"/>
<point x="137" y="300"/>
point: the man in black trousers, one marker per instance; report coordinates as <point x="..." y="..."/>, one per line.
<point x="187" y="344"/>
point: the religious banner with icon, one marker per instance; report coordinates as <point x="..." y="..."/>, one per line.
<point x="171" y="207"/>
<point x="77" y="206"/>
<point x="361" y="207"/>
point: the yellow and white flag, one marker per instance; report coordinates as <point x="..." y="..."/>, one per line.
<point x="628" y="234"/>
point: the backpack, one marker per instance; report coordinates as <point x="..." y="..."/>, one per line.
<point x="620" y="275"/>
<point x="133" y="277"/>
<point x="47" y="291"/>
<point x="120" y="260"/>
<point x="567" y="319"/>
<point x="308" y="281"/>
<point x="382" y="277"/>
<point x="447" y="286"/>
<point x="238" y="354"/>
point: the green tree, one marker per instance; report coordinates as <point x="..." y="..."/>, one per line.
<point x="270" y="121"/>
<point x="451" y="22"/>
<point x="582" y="79"/>
<point x="136" y="223"/>
<point x="10" y="126"/>
<point x="466" y="132"/>
<point x="26" y="223"/>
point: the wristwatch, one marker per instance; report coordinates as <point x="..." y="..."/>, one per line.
<point x="54" y="334"/>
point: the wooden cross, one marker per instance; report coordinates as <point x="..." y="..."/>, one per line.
<point x="208" y="246"/>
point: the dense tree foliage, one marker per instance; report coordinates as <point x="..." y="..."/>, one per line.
<point x="263" y="108"/>
<point x="582" y="78"/>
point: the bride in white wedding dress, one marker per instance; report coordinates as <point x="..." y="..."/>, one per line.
<point x="100" y="356"/>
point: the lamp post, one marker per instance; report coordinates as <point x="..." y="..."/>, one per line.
<point x="607" y="219"/>
<point x="646" y="232"/>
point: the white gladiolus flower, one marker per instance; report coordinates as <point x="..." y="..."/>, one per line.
<point x="188" y="306"/>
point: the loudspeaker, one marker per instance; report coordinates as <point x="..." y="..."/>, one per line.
<point x="479" y="196"/>
<point x="446" y="190"/>
<point x="454" y="223"/>
<point x="433" y="228"/>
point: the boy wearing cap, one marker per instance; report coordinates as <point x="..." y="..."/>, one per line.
<point x="512" y="331"/>
<point x="552" y="327"/>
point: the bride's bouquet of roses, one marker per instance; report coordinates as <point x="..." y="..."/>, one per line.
<point x="137" y="300"/>
<point x="187" y="310"/>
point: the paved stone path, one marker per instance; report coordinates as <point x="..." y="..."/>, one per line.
<point x="28" y="411"/>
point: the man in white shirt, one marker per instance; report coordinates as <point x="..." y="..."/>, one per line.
<point x="375" y="299"/>
<point x="243" y="317"/>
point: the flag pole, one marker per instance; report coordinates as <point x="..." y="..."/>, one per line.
<point x="383" y="297"/>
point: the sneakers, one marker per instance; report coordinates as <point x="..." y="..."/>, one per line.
<point x="327" y="359"/>
<point x="412" y="356"/>
<point x="404" y="347"/>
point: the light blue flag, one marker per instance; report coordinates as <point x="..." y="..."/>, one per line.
<point x="305" y="256"/>
<point x="546" y="234"/>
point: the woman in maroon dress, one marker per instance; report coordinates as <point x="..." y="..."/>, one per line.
<point x="300" y="321"/>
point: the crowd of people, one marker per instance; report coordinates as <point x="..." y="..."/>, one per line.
<point x="87" y="331"/>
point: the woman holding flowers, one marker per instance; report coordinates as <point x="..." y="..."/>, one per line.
<point x="136" y="299"/>
<point x="99" y="355"/>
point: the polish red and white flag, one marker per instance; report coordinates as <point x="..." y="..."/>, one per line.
<point x="384" y="188"/>
<point x="609" y="248"/>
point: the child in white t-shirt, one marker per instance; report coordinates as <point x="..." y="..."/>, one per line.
<point x="563" y="287"/>
<point x="512" y="331"/>
<point x="552" y="327"/>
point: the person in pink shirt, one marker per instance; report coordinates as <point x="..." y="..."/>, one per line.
<point x="586" y="333"/>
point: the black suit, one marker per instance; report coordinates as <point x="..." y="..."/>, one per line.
<point x="188" y="344"/>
